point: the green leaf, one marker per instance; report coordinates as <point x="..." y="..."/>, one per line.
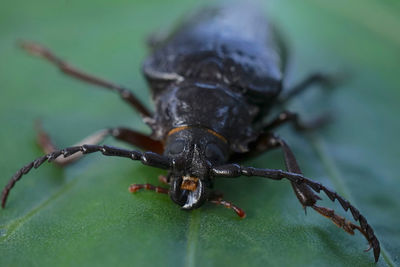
<point x="84" y="215"/>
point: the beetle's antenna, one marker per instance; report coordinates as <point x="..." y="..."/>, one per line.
<point x="235" y="170"/>
<point x="147" y="158"/>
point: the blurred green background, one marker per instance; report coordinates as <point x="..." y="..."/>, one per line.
<point x="84" y="215"/>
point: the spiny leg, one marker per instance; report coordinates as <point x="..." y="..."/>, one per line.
<point x="338" y="220"/>
<point x="235" y="170"/>
<point x="124" y="93"/>
<point x="123" y="134"/>
<point x="216" y="198"/>
<point x="147" y="158"/>
<point x="327" y="81"/>
<point x="158" y="189"/>
<point x="268" y="141"/>
<point x="303" y="192"/>
<point x="307" y="198"/>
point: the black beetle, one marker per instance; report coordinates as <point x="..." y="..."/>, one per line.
<point x="214" y="81"/>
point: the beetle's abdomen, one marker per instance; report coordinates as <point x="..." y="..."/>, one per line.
<point x="232" y="46"/>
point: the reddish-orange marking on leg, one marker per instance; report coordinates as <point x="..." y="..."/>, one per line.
<point x="229" y="205"/>
<point x="136" y="187"/>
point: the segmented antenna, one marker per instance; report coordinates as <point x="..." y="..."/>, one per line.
<point x="147" y="158"/>
<point x="235" y="170"/>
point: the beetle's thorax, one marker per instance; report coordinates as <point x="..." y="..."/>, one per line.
<point x="193" y="151"/>
<point x="209" y="106"/>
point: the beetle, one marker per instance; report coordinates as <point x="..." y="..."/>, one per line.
<point x="214" y="81"/>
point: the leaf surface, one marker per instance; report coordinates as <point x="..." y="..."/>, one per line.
<point x="84" y="215"/>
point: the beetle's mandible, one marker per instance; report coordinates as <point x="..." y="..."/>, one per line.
<point x="213" y="81"/>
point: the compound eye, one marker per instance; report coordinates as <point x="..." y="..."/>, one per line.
<point x="177" y="146"/>
<point x="214" y="153"/>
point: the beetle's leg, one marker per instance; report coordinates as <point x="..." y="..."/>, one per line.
<point x="133" y="188"/>
<point x="137" y="139"/>
<point x="291" y="117"/>
<point x="303" y="188"/>
<point x="303" y="192"/>
<point x="269" y="141"/>
<point x="158" y="189"/>
<point x="125" y="94"/>
<point x="327" y="81"/>
<point x="47" y="145"/>
<point x="296" y="177"/>
<point x="216" y="198"/>
<point x="123" y="134"/>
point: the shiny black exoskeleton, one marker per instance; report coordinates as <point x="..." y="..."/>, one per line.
<point x="215" y="72"/>
<point x="214" y="81"/>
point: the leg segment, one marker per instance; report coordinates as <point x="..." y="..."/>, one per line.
<point x="158" y="189"/>
<point x="217" y="199"/>
<point x="129" y="136"/>
<point x="303" y="192"/>
<point x="268" y="141"/>
<point x="125" y="94"/>
<point x="338" y="220"/>
<point x="302" y="188"/>
<point x="313" y="79"/>
<point x="137" y="139"/>
<point x="47" y="145"/>
<point x="265" y="141"/>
